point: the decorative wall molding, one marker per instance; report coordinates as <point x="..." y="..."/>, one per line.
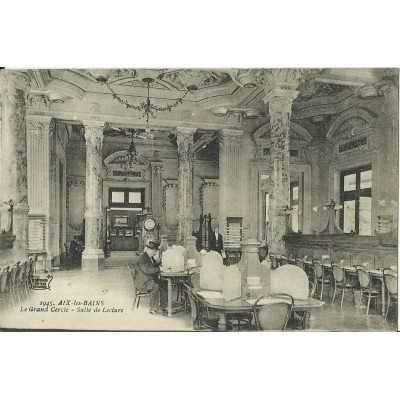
<point x="350" y="123"/>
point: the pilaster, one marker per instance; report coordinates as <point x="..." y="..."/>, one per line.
<point x="230" y="174"/>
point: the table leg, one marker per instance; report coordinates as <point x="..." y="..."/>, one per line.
<point x="169" y="297"/>
<point x="383" y="298"/>
<point x="222" y="322"/>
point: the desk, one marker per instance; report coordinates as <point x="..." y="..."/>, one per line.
<point x="242" y="306"/>
<point x="170" y="277"/>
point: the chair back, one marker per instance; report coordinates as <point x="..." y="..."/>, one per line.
<point x="390" y="262"/>
<point x="272" y="313"/>
<point x="364" y="277"/>
<point x="390" y="280"/>
<point x="274" y="261"/>
<point x="193" y="277"/>
<point x="194" y="306"/>
<point x="311" y="289"/>
<point x="13" y="274"/>
<point x="300" y="263"/>
<point x="338" y="273"/>
<point x="4" y="279"/>
<point x="322" y="255"/>
<point x="366" y="260"/>
<point x="319" y="269"/>
<point x="342" y="258"/>
<point x="284" y="260"/>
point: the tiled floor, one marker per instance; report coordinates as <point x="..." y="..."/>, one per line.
<point x="112" y="287"/>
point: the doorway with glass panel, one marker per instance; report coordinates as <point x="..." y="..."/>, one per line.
<point x="125" y="204"/>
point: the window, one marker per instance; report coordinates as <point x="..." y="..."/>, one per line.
<point x="294" y="204"/>
<point x="355" y="195"/>
<point x="130" y="198"/>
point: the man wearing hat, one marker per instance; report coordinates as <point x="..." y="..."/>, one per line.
<point x="147" y="278"/>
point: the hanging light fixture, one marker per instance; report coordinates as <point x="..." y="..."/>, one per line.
<point x="132" y="156"/>
<point x="147" y="107"/>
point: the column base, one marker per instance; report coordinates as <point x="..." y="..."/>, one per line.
<point x="92" y="260"/>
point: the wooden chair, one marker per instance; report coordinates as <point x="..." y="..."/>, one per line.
<point x="366" y="286"/>
<point x="340" y="282"/>
<point x="271" y="313"/>
<point x="390" y="279"/>
<point x="137" y="295"/>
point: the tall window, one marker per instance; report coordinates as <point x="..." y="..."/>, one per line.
<point x="355" y="195"/>
<point x="294" y="204"/>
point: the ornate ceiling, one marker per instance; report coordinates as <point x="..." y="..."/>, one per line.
<point x="217" y="91"/>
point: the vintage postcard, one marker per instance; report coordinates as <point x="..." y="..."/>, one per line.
<point x="190" y="199"/>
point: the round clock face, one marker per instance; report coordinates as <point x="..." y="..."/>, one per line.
<point x="149" y="224"/>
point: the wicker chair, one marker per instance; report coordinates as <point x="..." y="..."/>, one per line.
<point x="366" y="286"/>
<point x="196" y="312"/>
<point x="271" y="313"/>
<point x="340" y="282"/>
<point x="322" y="280"/>
<point x="390" y="279"/>
<point x="4" y="287"/>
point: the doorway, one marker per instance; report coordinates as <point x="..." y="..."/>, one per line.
<point x="125" y="204"/>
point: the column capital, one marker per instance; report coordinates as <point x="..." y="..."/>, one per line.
<point x="231" y="132"/>
<point x="93" y="131"/>
<point x="285" y="96"/>
<point x="38" y="122"/>
<point x="91" y="123"/>
<point x="13" y="79"/>
<point x="186" y="130"/>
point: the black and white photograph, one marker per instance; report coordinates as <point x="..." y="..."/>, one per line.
<point x="199" y="199"/>
<point x="238" y="199"/>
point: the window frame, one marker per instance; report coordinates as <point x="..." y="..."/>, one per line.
<point x="355" y="194"/>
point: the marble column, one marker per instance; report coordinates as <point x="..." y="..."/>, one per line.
<point x="280" y="109"/>
<point x="13" y="178"/>
<point x="93" y="255"/>
<point x="157" y="190"/>
<point x="185" y="183"/>
<point x="230" y="141"/>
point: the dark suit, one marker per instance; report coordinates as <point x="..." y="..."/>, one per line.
<point x="216" y="244"/>
<point x="147" y="280"/>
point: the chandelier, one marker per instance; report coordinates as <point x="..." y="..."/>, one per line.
<point x="132" y="156"/>
<point x="147" y="107"/>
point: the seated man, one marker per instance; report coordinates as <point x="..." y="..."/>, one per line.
<point x="147" y="278"/>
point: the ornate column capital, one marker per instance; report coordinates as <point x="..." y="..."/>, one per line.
<point x="93" y="132"/>
<point x="282" y="83"/>
<point x="38" y="122"/>
<point x="185" y="130"/>
<point x="13" y="79"/>
<point x="230" y="137"/>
